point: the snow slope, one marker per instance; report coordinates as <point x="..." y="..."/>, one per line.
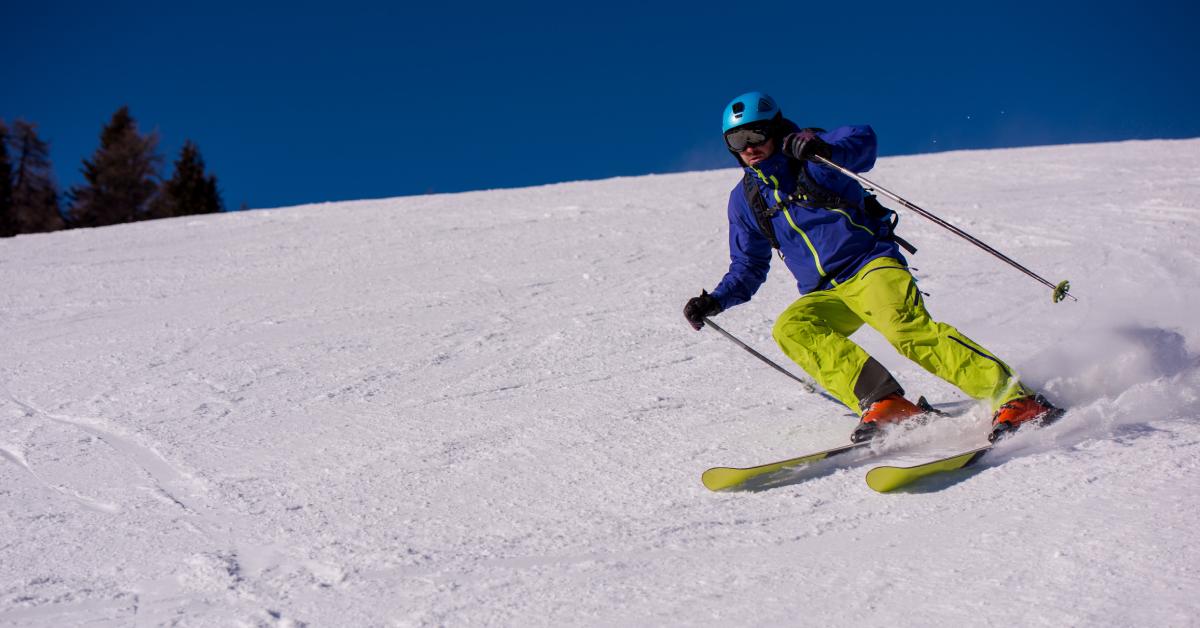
<point x="486" y="409"/>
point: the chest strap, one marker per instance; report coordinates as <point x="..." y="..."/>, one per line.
<point x="809" y="194"/>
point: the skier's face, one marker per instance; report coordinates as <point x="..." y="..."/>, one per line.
<point x="752" y="155"/>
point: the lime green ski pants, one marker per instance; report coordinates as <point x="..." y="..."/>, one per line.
<point x="814" y="332"/>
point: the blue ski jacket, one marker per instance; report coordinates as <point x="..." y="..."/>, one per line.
<point x="822" y="246"/>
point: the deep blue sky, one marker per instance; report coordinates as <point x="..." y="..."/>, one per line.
<point x="303" y="102"/>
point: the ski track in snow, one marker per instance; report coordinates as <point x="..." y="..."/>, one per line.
<point x="486" y="409"/>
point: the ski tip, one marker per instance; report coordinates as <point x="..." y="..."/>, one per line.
<point x="885" y="479"/>
<point x="720" y="478"/>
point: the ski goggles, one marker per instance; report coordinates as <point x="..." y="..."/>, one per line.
<point x="742" y="138"/>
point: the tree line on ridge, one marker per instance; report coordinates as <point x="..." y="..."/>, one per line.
<point x="121" y="181"/>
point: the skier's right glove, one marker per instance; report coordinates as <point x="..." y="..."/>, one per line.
<point x="803" y="145"/>
<point x="699" y="307"/>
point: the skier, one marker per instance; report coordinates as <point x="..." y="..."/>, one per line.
<point x="838" y="243"/>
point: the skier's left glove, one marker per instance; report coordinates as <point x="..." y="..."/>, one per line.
<point x="698" y="308"/>
<point x="803" y="145"/>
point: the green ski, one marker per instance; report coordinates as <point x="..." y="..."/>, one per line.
<point x="884" y="479"/>
<point x="721" y="478"/>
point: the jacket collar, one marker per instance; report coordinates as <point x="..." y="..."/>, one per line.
<point x="778" y="166"/>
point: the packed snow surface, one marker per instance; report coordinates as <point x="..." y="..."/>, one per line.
<point x="487" y="409"/>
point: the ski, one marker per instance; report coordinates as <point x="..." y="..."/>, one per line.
<point x="721" y="478"/>
<point x="888" y="478"/>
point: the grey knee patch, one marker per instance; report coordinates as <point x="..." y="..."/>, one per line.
<point x="874" y="383"/>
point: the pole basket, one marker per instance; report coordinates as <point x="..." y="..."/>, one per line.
<point x="1060" y="291"/>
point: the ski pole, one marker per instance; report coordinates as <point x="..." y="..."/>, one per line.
<point x="1060" y="290"/>
<point x="808" y="386"/>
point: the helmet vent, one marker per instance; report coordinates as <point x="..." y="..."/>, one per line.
<point x="739" y="108"/>
<point x="765" y="105"/>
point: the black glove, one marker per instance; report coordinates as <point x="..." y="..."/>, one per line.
<point x="805" y="144"/>
<point x="699" y="307"/>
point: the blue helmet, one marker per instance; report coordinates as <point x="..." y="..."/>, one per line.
<point x="747" y="108"/>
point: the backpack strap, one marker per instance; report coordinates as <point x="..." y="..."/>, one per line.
<point x="762" y="213"/>
<point x="810" y="194"/>
<point x="876" y="209"/>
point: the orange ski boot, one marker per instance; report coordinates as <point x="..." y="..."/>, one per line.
<point x="891" y="409"/>
<point x="1017" y="412"/>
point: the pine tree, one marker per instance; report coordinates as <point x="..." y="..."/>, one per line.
<point x="189" y="190"/>
<point x="120" y="178"/>
<point x="7" y="224"/>
<point x="34" y="193"/>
